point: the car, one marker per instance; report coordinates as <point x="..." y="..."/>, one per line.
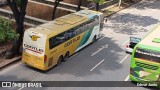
<point x="130" y="47"/>
<point x="132" y="44"/>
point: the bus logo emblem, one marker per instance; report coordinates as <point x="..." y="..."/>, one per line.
<point x="34" y="37"/>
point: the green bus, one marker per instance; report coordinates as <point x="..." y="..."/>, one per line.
<point x="145" y="60"/>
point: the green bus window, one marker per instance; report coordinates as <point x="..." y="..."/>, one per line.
<point x="149" y="55"/>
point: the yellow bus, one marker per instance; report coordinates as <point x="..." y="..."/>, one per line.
<point x="50" y="44"/>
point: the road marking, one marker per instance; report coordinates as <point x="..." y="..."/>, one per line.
<point x="125" y="42"/>
<point x="124" y="58"/>
<point x="97" y="51"/>
<point x="97" y="65"/>
<point x="9" y="68"/>
<point x="127" y="78"/>
<point x="101" y="38"/>
<point x="100" y="49"/>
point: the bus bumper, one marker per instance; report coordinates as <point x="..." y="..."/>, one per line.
<point x="35" y="65"/>
<point x="139" y="80"/>
<point x="132" y="78"/>
<point x="136" y="79"/>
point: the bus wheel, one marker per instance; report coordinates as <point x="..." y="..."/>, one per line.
<point x="59" y="60"/>
<point x="66" y="57"/>
<point x="94" y="39"/>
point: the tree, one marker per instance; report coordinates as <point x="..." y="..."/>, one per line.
<point x="18" y="8"/>
<point x="97" y="3"/>
<point x="55" y="8"/>
<point x="6" y="31"/>
<point x="79" y="5"/>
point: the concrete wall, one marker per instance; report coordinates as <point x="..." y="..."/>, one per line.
<point x="71" y="1"/>
<point x="84" y="2"/>
<point x="41" y="11"/>
<point x="45" y="12"/>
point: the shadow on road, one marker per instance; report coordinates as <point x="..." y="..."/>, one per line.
<point x="130" y="24"/>
<point x="80" y="65"/>
<point x="148" y="4"/>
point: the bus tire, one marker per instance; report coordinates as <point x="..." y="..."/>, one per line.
<point x="59" y="61"/>
<point x="94" y="39"/>
<point x="66" y="56"/>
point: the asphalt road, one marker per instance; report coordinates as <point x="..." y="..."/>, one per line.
<point x="105" y="60"/>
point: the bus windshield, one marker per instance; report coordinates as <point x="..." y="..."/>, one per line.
<point x="146" y="54"/>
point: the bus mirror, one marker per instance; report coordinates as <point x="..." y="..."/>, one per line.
<point x="105" y="19"/>
<point x="135" y="39"/>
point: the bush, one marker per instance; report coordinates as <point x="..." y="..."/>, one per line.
<point x="6" y="31"/>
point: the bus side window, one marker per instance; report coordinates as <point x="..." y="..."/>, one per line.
<point x="85" y="27"/>
<point x="74" y="32"/>
<point x="71" y="33"/>
<point x="80" y="30"/>
<point x="55" y="41"/>
<point x="97" y="19"/>
<point x="68" y="34"/>
<point x="52" y="42"/>
<point x="60" y="38"/>
<point x="90" y="24"/>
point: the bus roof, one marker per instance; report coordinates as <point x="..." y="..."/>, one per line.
<point x="65" y="22"/>
<point x="152" y="39"/>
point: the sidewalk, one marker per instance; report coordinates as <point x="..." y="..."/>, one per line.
<point x="7" y="62"/>
<point x="115" y="8"/>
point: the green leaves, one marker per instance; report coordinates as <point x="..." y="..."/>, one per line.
<point x="6" y="31"/>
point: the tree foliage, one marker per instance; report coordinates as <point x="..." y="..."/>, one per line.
<point x="6" y="31"/>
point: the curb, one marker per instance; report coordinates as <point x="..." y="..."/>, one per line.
<point x="8" y="62"/>
<point x="115" y="5"/>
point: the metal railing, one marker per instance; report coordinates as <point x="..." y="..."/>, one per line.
<point x="106" y="4"/>
<point x="67" y="6"/>
<point x="72" y="7"/>
<point x="36" y="21"/>
<point x="28" y="19"/>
